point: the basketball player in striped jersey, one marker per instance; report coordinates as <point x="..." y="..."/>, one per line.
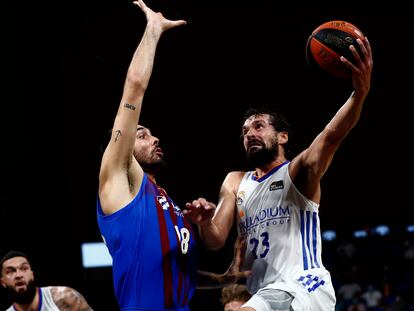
<point x="149" y="238"/>
<point x="276" y="205"/>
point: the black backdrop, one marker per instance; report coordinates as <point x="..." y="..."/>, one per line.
<point x="64" y="70"/>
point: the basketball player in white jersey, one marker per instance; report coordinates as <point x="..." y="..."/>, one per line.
<point x="276" y="205"/>
<point x="17" y="278"/>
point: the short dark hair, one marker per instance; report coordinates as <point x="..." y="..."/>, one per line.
<point x="11" y="254"/>
<point x="277" y="120"/>
<point x="234" y="292"/>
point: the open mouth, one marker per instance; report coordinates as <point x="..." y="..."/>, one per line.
<point x="20" y="285"/>
<point x="159" y="152"/>
<point x="254" y="145"/>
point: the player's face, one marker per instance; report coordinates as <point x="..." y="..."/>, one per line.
<point x="146" y="149"/>
<point x="259" y="139"/>
<point x="17" y="274"/>
<point x="258" y="133"/>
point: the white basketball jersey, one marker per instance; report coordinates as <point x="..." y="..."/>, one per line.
<point x="283" y="233"/>
<point x="48" y="303"/>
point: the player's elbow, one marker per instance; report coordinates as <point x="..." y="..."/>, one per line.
<point x="214" y="244"/>
<point x="215" y="248"/>
<point x="136" y="81"/>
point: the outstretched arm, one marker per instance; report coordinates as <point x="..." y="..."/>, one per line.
<point x="214" y="224"/>
<point x="120" y="174"/>
<point x="308" y="167"/>
<point x="69" y="299"/>
<point x="208" y="280"/>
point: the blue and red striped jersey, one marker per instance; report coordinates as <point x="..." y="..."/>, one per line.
<point x="153" y="251"/>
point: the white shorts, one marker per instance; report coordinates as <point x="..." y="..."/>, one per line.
<point x="269" y="299"/>
<point x="306" y="296"/>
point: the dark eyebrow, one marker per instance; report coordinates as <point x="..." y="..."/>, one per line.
<point x="24" y="263"/>
<point x="255" y="121"/>
<point x="9" y="267"/>
<point x="144" y="129"/>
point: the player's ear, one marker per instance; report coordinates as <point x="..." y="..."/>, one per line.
<point x="282" y="137"/>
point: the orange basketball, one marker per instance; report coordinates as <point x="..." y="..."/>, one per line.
<point x="329" y="42"/>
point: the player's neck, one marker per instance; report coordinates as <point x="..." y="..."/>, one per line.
<point x="264" y="169"/>
<point x="152" y="177"/>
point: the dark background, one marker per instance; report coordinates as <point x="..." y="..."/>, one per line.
<point x="63" y="77"/>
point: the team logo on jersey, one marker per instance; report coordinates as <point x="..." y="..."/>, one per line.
<point x="163" y="202"/>
<point x="272" y="216"/>
<point x="177" y="210"/>
<point x="166" y="205"/>
<point x="240" y="197"/>
<point x="310" y="282"/>
<point x="276" y="185"/>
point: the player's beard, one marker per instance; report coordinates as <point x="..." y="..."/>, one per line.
<point x="25" y="297"/>
<point x="154" y="167"/>
<point x="260" y="157"/>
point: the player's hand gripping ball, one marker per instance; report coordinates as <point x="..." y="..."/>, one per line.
<point x="329" y="42"/>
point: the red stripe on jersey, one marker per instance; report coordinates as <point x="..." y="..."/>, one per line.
<point x="166" y="257"/>
<point x="180" y="262"/>
<point x="187" y="224"/>
<point x="183" y="275"/>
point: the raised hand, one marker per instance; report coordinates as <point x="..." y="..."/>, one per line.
<point x="235" y="270"/>
<point x="361" y="71"/>
<point x="200" y="211"/>
<point x="157" y="18"/>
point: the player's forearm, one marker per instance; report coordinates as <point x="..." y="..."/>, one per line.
<point x="140" y="68"/>
<point x="137" y="79"/>
<point x="211" y="235"/>
<point x="347" y="116"/>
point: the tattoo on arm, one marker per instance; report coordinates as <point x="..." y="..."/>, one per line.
<point x="67" y="299"/>
<point x="129" y="106"/>
<point x="118" y="134"/>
